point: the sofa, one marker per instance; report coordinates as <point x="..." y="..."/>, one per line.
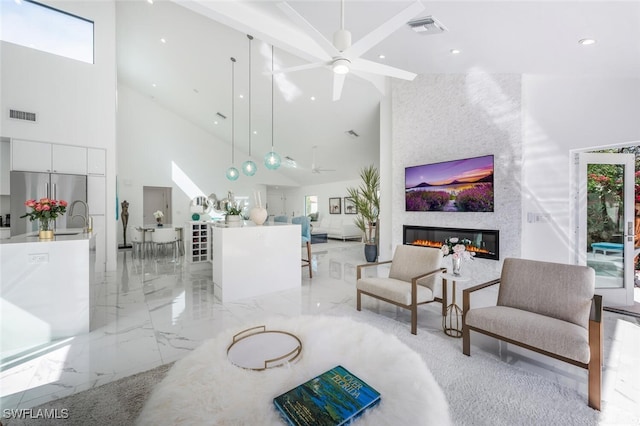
<point x="337" y="227"/>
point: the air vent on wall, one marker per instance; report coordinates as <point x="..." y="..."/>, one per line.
<point x="352" y="133"/>
<point x="22" y="115"/>
<point x="427" y="25"/>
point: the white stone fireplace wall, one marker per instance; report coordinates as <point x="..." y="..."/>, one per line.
<point x="449" y="117"/>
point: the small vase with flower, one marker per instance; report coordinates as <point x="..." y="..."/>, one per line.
<point x="457" y="248"/>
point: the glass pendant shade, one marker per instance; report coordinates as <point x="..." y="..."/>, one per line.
<point x="272" y="160"/>
<point x="249" y="168"/>
<point x="232" y="173"/>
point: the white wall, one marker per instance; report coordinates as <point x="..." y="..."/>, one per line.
<point x="158" y="148"/>
<point x="74" y="101"/>
<point x="561" y="114"/>
<point x="295" y="197"/>
<point x="449" y="117"/>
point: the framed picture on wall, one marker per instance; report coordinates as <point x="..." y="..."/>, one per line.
<point x="350" y="206"/>
<point x="335" y="206"/>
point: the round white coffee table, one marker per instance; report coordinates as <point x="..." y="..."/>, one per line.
<point x="205" y="388"/>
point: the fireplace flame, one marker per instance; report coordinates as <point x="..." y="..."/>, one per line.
<point x="438" y="244"/>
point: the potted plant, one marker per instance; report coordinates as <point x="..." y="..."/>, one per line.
<point x="366" y="199"/>
<point x="233" y="213"/>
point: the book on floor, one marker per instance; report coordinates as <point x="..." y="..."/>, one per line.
<point x="335" y="397"/>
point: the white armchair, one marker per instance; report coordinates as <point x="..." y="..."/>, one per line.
<point x="411" y="281"/>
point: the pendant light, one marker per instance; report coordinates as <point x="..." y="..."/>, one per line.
<point x="232" y="172"/>
<point x="272" y="160"/>
<point x="249" y="167"/>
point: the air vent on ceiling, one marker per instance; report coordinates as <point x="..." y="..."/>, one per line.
<point x="352" y="133"/>
<point x="22" y="115"/>
<point x="221" y="115"/>
<point x="427" y="25"/>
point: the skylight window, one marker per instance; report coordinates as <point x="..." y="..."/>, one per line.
<point x="41" y="27"/>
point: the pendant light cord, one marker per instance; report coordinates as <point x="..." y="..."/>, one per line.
<point x="272" y="98"/>
<point x="250" y="37"/>
<point x="233" y="115"/>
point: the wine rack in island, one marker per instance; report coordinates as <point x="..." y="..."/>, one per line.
<point x="198" y="248"/>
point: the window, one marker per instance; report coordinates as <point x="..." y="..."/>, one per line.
<point x="40" y="27"/>
<point x="311" y="205"/>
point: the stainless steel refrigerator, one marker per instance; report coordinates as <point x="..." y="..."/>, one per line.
<point x="30" y="185"/>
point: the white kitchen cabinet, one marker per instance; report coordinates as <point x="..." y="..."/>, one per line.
<point x="5" y="166"/>
<point x="96" y="194"/>
<point x="96" y="161"/>
<point x="69" y="159"/>
<point x="30" y="156"/>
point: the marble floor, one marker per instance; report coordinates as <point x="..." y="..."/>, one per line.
<point x="152" y="314"/>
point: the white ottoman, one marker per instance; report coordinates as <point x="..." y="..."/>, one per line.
<point x="205" y="388"/>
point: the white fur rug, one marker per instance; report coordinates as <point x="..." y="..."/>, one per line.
<point x="205" y="388"/>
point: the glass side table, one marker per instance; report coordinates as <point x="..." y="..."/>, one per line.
<point x="452" y="320"/>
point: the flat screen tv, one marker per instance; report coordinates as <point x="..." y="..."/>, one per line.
<point x="451" y="186"/>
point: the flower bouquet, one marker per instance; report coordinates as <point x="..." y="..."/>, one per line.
<point x="158" y="215"/>
<point x="457" y="248"/>
<point x="46" y="210"/>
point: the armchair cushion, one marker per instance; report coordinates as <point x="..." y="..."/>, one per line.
<point x="409" y="261"/>
<point x="561" y="291"/>
<point x="558" y="337"/>
<point x="396" y="290"/>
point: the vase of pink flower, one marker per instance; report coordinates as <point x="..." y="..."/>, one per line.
<point x="457" y="248"/>
<point x="45" y="211"/>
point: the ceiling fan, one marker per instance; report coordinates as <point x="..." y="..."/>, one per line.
<point x="314" y="168"/>
<point x="344" y="57"/>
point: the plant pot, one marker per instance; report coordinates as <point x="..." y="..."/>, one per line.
<point x="233" y="219"/>
<point x="370" y="252"/>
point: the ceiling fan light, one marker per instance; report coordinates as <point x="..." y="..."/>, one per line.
<point x="272" y="160"/>
<point x="341" y="66"/>
<point x="249" y="168"/>
<point x="232" y="173"/>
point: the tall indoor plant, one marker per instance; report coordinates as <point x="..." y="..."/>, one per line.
<point x="367" y="201"/>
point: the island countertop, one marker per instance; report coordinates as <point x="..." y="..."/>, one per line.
<point x="68" y="234"/>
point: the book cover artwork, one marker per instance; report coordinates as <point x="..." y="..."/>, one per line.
<point x="333" y="398"/>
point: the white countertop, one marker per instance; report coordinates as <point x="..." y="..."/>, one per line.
<point x="68" y="234"/>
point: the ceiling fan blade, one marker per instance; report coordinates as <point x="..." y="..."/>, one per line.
<point x="377" y="68"/>
<point x="321" y="40"/>
<point x="338" y="82"/>
<point x="384" y="30"/>
<point x="378" y="80"/>
<point x="300" y="67"/>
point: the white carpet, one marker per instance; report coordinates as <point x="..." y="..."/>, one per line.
<point x="205" y="388"/>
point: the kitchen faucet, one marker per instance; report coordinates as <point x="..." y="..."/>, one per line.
<point x="86" y="213"/>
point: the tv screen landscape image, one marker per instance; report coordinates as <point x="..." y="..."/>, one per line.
<point x="451" y="186"/>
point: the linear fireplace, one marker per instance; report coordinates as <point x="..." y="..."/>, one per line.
<point x="484" y="243"/>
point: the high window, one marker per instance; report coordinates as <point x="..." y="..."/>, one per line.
<point x="44" y="28"/>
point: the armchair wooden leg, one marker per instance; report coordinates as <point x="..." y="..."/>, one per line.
<point x="414" y="319"/>
<point x="358" y="306"/>
<point x="595" y="365"/>
<point x="466" y="340"/>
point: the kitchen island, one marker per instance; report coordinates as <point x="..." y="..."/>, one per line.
<point x="251" y="260"/>
<point x="46" y="288"/>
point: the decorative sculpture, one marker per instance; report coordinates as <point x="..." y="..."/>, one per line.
<point x="125" y="221"/>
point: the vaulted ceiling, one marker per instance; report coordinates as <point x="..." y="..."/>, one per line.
<point x="190" y="72"/>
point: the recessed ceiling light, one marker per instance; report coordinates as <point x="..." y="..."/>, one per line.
<point x="215" y="122"/>
<point x="454" y="51"/>
<point x="587" y="41"/>
<point x="255" y="132"/>
<point x="381" y="56"/>
<point x="153" y="84"/>
<point x="163" y="40"/>
<point x="150" y="1"/>
<point x="313" y="98"/>
<point x="241" y="96"/>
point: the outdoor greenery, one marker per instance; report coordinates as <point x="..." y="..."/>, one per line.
<point x="366" y="199"/>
